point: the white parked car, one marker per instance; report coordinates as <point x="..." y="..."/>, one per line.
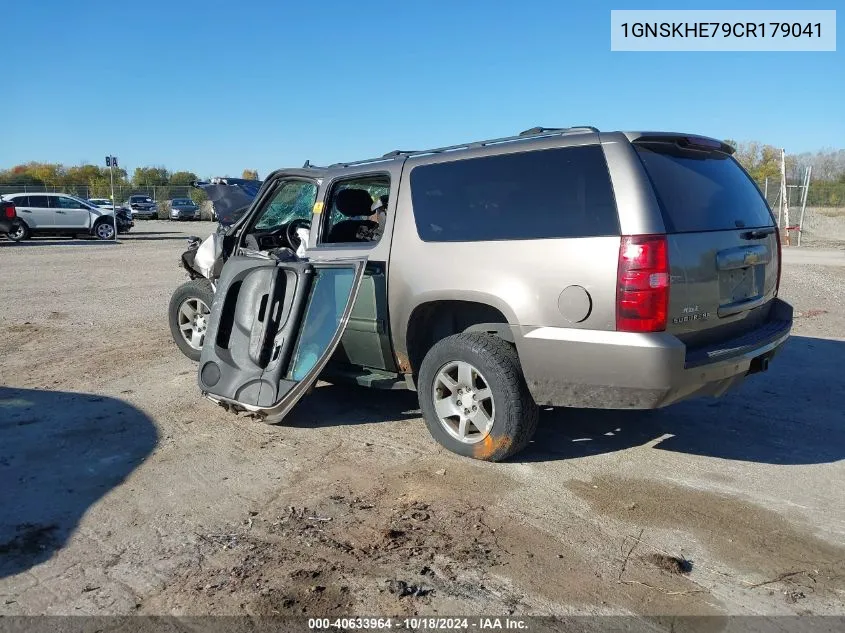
<point x="61" y="214"/>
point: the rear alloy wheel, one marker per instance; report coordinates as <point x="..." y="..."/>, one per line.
<point x="104" y="231"/>
<point x="189" y="313"/>
<point x="463" y="402"/>
<point x="21" y="232"/>
<point x="474" y="398"/>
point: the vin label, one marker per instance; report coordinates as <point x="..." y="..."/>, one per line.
<point x="729" y="30"/>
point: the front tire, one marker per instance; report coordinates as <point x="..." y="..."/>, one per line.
<point x="104" y="231"/>
<point x="188" y="314"/>
<point x="474" y="397"/>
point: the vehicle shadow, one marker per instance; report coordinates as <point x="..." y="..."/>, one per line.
<point x="61" y="452"/>
<point x="135" y="234"/>
<point x="792" y="414"/>
<point x="153" y="237"/>
<point x="342" y="404"/>
<point x="69" y="241"/>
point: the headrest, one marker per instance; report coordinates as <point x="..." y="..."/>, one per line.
<point x="353" y="202"/>
<point x="379" y="205"/>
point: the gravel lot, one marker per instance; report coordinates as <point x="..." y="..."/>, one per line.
<point x="125" y="492"/>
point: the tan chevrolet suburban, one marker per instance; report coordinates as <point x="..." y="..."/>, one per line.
<point x="565" y="267"/>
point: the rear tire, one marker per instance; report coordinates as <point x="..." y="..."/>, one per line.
<point x="190" y="295"/>
<point x="498" y="418"/>
<point x="21" y="233"/>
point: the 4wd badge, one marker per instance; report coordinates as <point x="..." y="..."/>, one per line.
<point x="691" y="313"/>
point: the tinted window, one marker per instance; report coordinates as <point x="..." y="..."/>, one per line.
<point x="140" y="199"/>
<point x="62" y="202"/>
<point x="20" y="201"/>
<point x="700" y="191"/>
<point x="530" y="195"/>
<point x="38" y="201"/>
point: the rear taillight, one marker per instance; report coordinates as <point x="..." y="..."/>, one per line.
<point x="642" y="291"/>
<point x="9" y="211"/>
<point x="780" y="259"/>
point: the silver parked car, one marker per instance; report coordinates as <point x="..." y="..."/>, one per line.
<point x="566" y="267"/>
<point x="63" y="214"/>
<point x="184" y="209"/>
<point x="142" y="207"/>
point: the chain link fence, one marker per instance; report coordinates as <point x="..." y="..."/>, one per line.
<point x="823" y="222"/>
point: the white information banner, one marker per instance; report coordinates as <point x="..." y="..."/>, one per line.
<point x="728" y="30"/>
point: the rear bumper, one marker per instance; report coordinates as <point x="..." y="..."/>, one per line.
<point x="620" y="370"/>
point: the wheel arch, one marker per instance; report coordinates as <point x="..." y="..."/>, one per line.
<point x="436" y="318"/>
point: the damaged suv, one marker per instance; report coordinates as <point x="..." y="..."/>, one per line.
<point x="562" y="266"/>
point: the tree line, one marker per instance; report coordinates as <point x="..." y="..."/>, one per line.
<point x="827" y="184"/>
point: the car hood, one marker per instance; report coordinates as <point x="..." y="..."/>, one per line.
<point x="231" y="197"/>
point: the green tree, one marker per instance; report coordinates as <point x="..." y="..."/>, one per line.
<point x="150" y="176"/>
<point x="183" y="178"/>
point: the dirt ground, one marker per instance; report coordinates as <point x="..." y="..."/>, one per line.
<point x="126" y="492"/>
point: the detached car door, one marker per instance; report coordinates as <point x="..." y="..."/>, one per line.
<point x="273" y="326"/>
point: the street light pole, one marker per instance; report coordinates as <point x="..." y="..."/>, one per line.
<point x="111" y="162"/>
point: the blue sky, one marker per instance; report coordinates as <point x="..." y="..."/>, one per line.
<point x="203" y="87"/>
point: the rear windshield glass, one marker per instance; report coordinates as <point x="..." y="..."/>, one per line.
<point x="141" y="199"/>
<point x="552" y="193"/>
<point x="182" y="202"/>
<point x="702" y="191"/>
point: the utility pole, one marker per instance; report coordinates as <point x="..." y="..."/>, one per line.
<point x="111" y="163"/>
<point x="784" y="195"/>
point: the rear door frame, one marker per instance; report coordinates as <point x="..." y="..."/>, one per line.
<point x="378" y="254"/>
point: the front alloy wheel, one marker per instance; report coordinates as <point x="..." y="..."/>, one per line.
<point x="188" y="315"/>
<point x="105" y="231"/>
<point x="193" y="321"/>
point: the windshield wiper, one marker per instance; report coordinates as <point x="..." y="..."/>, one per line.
<point x="757" y="234"/>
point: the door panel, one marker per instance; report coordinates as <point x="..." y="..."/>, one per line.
<point x="272" y="328"/>
<point x="366" y="341"/>
<point x="69" y="213"/>
<point x="38" y="214"/>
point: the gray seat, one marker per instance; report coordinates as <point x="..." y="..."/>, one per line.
<point x="352" y="203"/>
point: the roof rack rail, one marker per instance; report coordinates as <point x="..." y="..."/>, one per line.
<point x="532" y="132"/>
<point x="535" y="131"/>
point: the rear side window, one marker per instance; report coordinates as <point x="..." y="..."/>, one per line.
<point x="39" y="202"/>
<point x="552" y="193"/>
<point x="20" y="201"/>
<point x="700" y="191"/>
